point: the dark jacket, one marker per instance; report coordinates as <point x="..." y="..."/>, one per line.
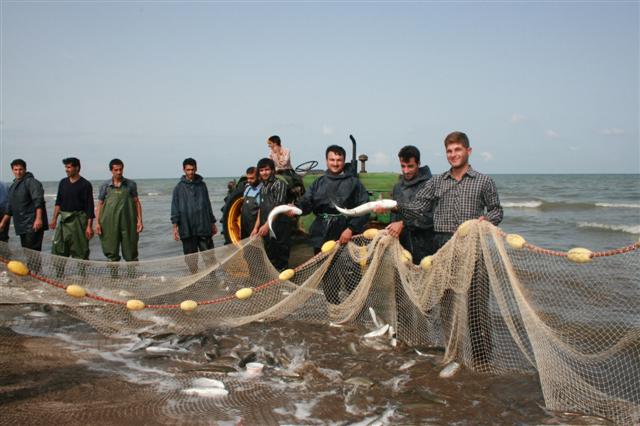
<point x="344" y="190"/>
<point x="25" y="196"/>
<point x="191" y="208"/>
<point x="404" y="192"/>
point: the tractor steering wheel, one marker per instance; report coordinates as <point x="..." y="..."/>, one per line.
<point x="303" y="168"/>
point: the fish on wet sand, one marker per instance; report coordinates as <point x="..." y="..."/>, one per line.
<point x="279" y="210"/>
<point x="378" y="332"/>
<point x="360" y="381"/>
<point x="367" y="208"/>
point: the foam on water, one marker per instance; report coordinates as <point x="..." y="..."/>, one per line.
<point x="629" y="229"/>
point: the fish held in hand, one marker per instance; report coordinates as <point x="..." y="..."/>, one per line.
<point x="279" y="210"/>
<point x="367" y="208"/>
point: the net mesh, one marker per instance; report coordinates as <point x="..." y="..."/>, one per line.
<point x="495" y="303"/>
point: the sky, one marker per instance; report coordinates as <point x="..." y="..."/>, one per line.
<point x="539" y="87"/>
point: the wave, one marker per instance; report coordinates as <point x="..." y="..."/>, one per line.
<point x="522" y="204"/>
<point x="50" y="195"/>
<point x="152" y="194"/>
<point x="619" y="206"/>
<point x="629" y="229"/>
<point x="560" y="205"/>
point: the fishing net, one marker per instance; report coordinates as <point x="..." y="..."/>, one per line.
<point x="496" y="304"/>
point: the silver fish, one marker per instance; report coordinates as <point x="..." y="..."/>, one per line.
<point x="359" y="381"/>
<point x="367" y="208"/>
<point x="377" y="333"/>
<point x="450" y="370"/>
<point x="279" y="210"/>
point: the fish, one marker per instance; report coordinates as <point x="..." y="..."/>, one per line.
<point x="205" y="382"/>
<point x="450" y="370"/>
<point x="367" y="208"/>
<point x="207" y="392"/>
<point x="377" y="333"/>
<point x="279" y="210"/>
<point x="359" y="381"/>
<point x="374" y="317"/>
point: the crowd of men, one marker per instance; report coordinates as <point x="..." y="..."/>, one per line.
<point x="430" y="208"/>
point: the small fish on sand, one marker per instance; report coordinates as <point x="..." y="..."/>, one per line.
<point x="374" y="317"/>
<point x="367" y="208"/>
<point x="360" y="381"/>
<point x="279" y="210"/>
<point x="450" y="370"/>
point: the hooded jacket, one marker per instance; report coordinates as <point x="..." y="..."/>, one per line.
<point x="25" y="196"/>
<point x="343" y="190"/>
<point x="404" y="192"/>
<point x="191" y="208"/>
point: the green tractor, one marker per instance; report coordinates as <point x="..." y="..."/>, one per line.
<point x="379" y="185"/>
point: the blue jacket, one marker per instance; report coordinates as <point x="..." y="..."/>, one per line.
<point x="191" y="208"/>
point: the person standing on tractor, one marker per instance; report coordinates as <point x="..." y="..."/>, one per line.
<point x="119" y="215"/>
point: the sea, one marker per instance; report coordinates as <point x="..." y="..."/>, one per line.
<point x="558" y="212"/>
<point x="54" y="369"/>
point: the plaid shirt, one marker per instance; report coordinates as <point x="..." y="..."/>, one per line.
<point x="455" y="202"/>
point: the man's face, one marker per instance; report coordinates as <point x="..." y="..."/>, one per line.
<point x="71" y="171"/>
<point x="458" y="155"/>
<point x="335" y="163"/>
<point x="116" y="171"/>
<point x="265" y="173"/>
<point x="252" y="179"/>
<point x="18" y="171"/>
<point x="190" y="171"/>
<point x="409" y="168"/>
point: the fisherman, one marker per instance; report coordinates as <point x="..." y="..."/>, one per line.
<point x="273" y="194"/>
<point x="416" y="234"/>
<point x="461" y="194"/>
<point x="250" y="203"/>
<point x="191" y="213"/>
<point x="74" y="206"/>
<point x="119" y="215"/>
<point x="334" y="188"/>
<point x="26" y="206"/>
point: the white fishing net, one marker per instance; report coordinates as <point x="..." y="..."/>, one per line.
<point x="494" y="302"/>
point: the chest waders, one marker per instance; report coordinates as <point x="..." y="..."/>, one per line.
<point x="118" y="220"/>
<point x="70" y="239"/>
<point x="249" y="214"/>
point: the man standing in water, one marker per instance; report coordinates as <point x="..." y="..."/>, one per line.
<point x="416" y="234"/>
<point x="461" y="194"/>
<point x="119" y="215"/>
<point x="334" y="188"/>
<point x="273" y="194"/>
<point x="250" y="203"/>
<point x="27" y="207"/>
<point x="191" y="213"/>
<point x="74" y="205"/>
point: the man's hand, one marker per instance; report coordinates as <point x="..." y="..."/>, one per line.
<point x="37" y="225"/>
<point x="214" y="229"/>
<point x="482" y="218"/>
<point x="98" y="229"/>
<point x="346" y="235"/>
<point x="139" y="227"/>
<point x="88" y="232"/>
<point x="176" y="234"/>
<point x="264" y="230"/>
<point x="53" y="224"/>
<point x="395" y="228"/>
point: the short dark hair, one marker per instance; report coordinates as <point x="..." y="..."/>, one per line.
<point x="115" y="162"/>
<point x="275" y="139"/>
<point x="408" y="152"/>
<point x="336" y="149"/>
<point x="456" y="137"/>
<point x="19" y="162"/>
<point x="266" y="162"/>
<point x="73" y="161"/>
<point x="251" y="170"/>
<point x="189" y="162"/>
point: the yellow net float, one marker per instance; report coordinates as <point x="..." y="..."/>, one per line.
<point x="286" y="275"/>
<point x="76" y="291"/>
<point x="465" y="227"/>
<point x="18" y="268"/>
<point x="244" y="293"/>
<point x="328" y="246"/>
<point x="515" y="241"/>
<point x="406" y="256"/>
<point x="580" y="255"/>
<point x="370" y="233"/>
<point x="426" y="263"/>
<point x="189" y="305"/>
<point x="135" y="305"/>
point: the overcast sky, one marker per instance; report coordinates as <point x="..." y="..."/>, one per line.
<point x="539" y="87"/>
